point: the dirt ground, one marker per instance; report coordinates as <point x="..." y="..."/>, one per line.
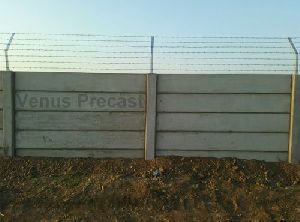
<point x="166" y="189"/>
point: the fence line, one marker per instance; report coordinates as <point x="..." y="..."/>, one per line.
<point x="103" y="115"/>
<point x="146" y="54"/>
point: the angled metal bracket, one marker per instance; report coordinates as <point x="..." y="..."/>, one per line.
<point x="6" y="50"/>
<point x="296" y="55"/>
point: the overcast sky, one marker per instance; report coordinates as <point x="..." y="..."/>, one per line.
<point x="153" y="17"/>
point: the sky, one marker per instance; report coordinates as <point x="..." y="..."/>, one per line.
<point x="153" y="17"/>
<point x="159" y="18"/>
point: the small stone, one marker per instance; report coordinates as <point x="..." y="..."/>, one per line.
<point x="156" y="173"/>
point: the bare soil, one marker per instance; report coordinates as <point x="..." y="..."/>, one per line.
<point x="165" y="189"/>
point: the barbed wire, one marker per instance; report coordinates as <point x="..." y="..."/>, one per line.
<point x="68" y="62"/>
<point x="76" y="56"/>
<point x="228" y="47"/>
<point x="161" y="36"/>
<point x="77" y="45"/>
<point x="230" y="58"/>
<point x="77" y="68"/>
<point x="147" y="57"/>
<point x="227" y="70"/>
<point x="77" y="51"/>
<point x="223" y="37"/>
<point x="74" y="34"/>
<point x="80" y="40"/>
<point x="223" y="52"/>
<point x="222" y="42"/>
<point x="124" y="53"/>
<point x="145" y="46"/>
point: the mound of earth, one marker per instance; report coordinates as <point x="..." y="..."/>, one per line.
<point x="165" y="189"/>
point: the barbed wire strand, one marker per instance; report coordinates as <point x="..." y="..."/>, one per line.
<point x="145" y="46"/>
<point x="74" y="56"/>
<point x="95" y="63"/>
<point x="147" y="57"/>
<point x="161" y="36"/>
<point x="192" y="70"/>
<point x="136" y="63"/>
<point x="220" y="42"/>
<point x="78" y="40"/>
<point x="160" y="52"/>
<point x="78" y="34"/>
<point x="73" y="68"/>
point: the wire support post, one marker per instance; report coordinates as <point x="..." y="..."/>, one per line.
<point x="6" y="51"/>
<point x="151" y="60"/>
<point x="296" y="55"/>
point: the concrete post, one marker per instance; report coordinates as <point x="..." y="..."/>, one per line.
<point x="150" y="131"/>
<point x="8" y="113"/>
<point x="294" y="137"/>
<point x="294" y="147"/>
